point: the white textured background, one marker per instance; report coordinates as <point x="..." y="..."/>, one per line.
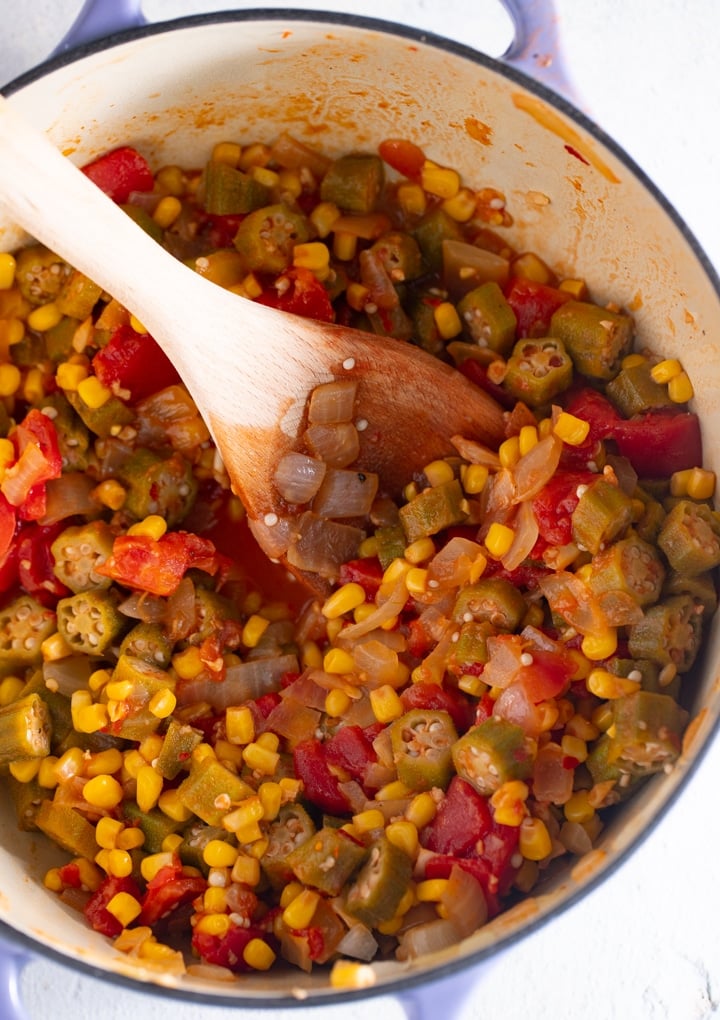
<point x="646" y="944"/>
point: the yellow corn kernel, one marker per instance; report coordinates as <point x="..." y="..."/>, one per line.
<point x="431" y="890"/>
<point x="33" y="388"/>
<point x="10" y="379"/>
<point x="313" y="255"/>
<point x="527" y="438"/>
<point x="404" y="835"/>
<point x="344" y="245"/>
<point x="47" y="774"/>
<point x="151" y="746"/>
<point x="578" y="726"/>
<point x="461" y="207"/>
<point x="367" y="821"/>
<point x="416" y="581"/>
<point x="578" y="807"/>
<point x="343" y="600"/>
<point x="323" y="216"/>
<point x="607" y="686"/>
<point x="499" y="539"/>
<point x="91" y="876"/>
<point x="680" y="389"/>
<point x="700" y="484"/>
<point x="311" y="655"/>
<point x="229" y="754"/>
<point x="338" y="661"/>
<point x="602" y="717"/>
<point x="666" y="370"/>
<point x="270" y="794"/>
<point x="24" y="770"/>
<point x="44" y="317"/>
<point x="260" y="759"/>
<point x="133" y="761"/>
<point x="7" y="270"/>
<point x="154" y="863"/>
<point x="215" y="900"/>
<point x="349" y="974"/>
<point x="53" y="881"/>
<point x="214" y="924"/>
<point x="10" y="687"/>
<point x="118" y="863"/>
<point x="167" y="211"/>
<point x="258" y="955"/>
<point x="289" y="180"/>
<point x="299" y="912"/>
<point x="474" y="478"/>
<point x="572" y="430"/>
<point x="103" y="791"/>
<point x="171" y="179"/>
<point x="219" y="854"/>
<point x="438" y="472"/>
<point x="227" y="152"/>
<point x="574" y="747"/>
<point x="289" y="892"/>
<point x="170" y="804"/>
<point x="130" y="838"/>
<point x="162" y="704"/>
<point x="93" y="393"/>
<point x="107" y="831"/>
<point x="447" y="320"/>
<point x="578" y="288"/>
<point x="253" y="630"/>
<point x="55" y="647"/>
<point x="421" y="810"/>
<point x="508" y="802"/>
<point x="256" y="154"/>
<point x="149" y="788"/>
<point x="188" y="664"/>
<point x="110" y="493"/>
<point x="633" y="360"/>
<point x="152" y="526"/>
<point x="264" y="175"/>
<point x="239" y="725"/>
<point x="509" y="452"/>
<point x="71" y="763"/>
<point x="601" y="645"/>
<point x="124" y="907"/>
<point x="386" y="704"/>
<point x="337" y="703"/>
<point x="439" y="180"/>
<point x="412" y="199"/>
<point x="420" y="551"/>
<point x="171" y="843"/>
<point x="535" y="843"/>
<point x="247" y="814"/>
<point x="357" y="296"/>
<point x="394" y="790"/>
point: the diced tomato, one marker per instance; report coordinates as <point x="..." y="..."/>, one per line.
<point x="8" y="525"/>
<point x="419" y="641"/>
<point x="38" y="460"/>
<point x="120" y="172"/>
<point x="159" y="565"/>
<point x="484" y="709"/>
<point x="554" y="505"/>
<point x="226" y="950"/>
<point x="477" y="373"/>
<point x="435" y="698"/>
<point x="321" y="786"/>
<point x="70" y="875"/>
<point x="351" y="750"/>
<point x="404" y="156"/>
<point x="534" y="305"/>
<point x="304" y="295"/>
<point x="36" y="565"/>
<point x="548" y="676"/>
<point x="527" y="574"/>
<point x="96" y="912"/>
<point x="134" y="362"/>
<point x="9" y="569"/>
<point x="168" y="889"/>
<point x="462" y="819"/>
<point x="366" y="572"/>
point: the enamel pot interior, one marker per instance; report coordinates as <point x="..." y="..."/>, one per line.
<point x="176" y="90"/>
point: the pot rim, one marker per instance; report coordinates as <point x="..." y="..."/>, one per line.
<point x="402" y="985"/>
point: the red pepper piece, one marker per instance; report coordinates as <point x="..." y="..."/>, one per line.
<point x="159" y="565"/>
<point x="534" y="305"/>
<point x="462" y="819"/>
<point x="405" y="157"/>
<point x="134" y="362"/>
<point x="96" y="912"/>
<point x="120" y="172"/>
<point x="366" y="572"/>
<point x="304" y="296"/>
<point x="434" y="698"/>
<point x="320" y="785"/>
<point x="351" y="750"/>
<point x="167" y="890"/>
<point x="226" y="950"/>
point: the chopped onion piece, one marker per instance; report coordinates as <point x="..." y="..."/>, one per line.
<point x="476" y="453"/>
<point x="293" y="720"/>
<point x="516" y="706"/>
<point x="68" y="495"/>
<point x="569" y="596"/>
<point x="243" y="682"/>
<point x="465" y="266"/>
<point x="383" y="614"/>
<point x="337" y="443"/>
<point x="504" y="659"/>
<point x="620" y="608"/>
<point x="298" y="477"/>
<point x="376" y="663"/>
<point x="332" y="402"/>
<point x="429" y="937"/>
<point x="358" y="943"/>
<point x="67" y="675"/>
<point x="376" y="278"/>
<point x="144" y="607"/>
<point x="322" y="546"/>
<point x="552" y="782"/>
<point x="535" y="468"/>
<point x="346" y="494"/>
<point x="180" y="610"/>
<point x="575" y="839"/>
<point x="451" y="566"/>
<point x="526" y="535"/>
<point x="464" y="902"/>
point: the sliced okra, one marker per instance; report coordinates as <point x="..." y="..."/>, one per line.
<point x="103" y="421"/>
<point x="211" y="789"/>
<point x="26" y="798"/>
<point x="491" y="599"/>
<point x="229" y="191"/>
<point x="629" y="565"/>
<point x="25" y="729"/>
<point x="78" y="551"/>
<point x="78" y="295"/>
<point x="158" y="485"/>
<point x="646" y="734"/>
<point x="149" y="642"/>
<point x="68" y="828"/>
<point x="354" y="182"/>
<point x="633" y="390"/>
<point x="603" y="512"/>
<point x="488" y="318"/>
<point x="291" y="828"/>
<point x="400" y="255"/>
<point x="72" y="434"/>
<point x="433" y="510"/>
<point x="380" y="885"/>
<point x="670" y="633"/>
<point x="701" y="587"/>
<point x="493" y="753"/>
<point x="470" y="650"/>
<point x="40" y="274"/>
<point x="391" y="543"/>
<point x="195" y="839"/>
<point x="178" y="744"/>
<point x="538" y="370"/>
<point x="434" y="228"/>
<point x="24" y="625"/>
<point x="328" y="860"/>
<point x="604" y="770"/>
<point x="142" y="680"/>
<point x="690" y="537"/>
<point x="596" y="338"/>
<point x="422" y="741"/>
<point x="155" y="825"/>
<point x="90" y="621"/>
<point x="266" y="237"/>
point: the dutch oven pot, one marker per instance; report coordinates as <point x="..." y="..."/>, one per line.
<point x="176" y="89"/>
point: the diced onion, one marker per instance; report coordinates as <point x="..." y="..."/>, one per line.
<point x="243" y="682"/>
<point x="569" y="596"/>
<point x="273" y="538"/>
<point x="358" y="943"/>
<point x="337" y="443"/>
<point x="526" y="535"/>
<point x="516" y="706"/>
<point x="376" y="662"/>
<point x="144" y="607"/>
<point x="552" y="782"/>
<point x="332" y="402"/>
<point x="69" y="495"/>
<point x="451" y="566"/>
<point x="376" y="278"/>
<point x="429" y="937"/>
<point x="293" y="720"/>
<point x="504" y="659"/>
<point x="464" y="902"/>
<point x="321" y="546"/>
<point x="180" y="611"/>
<point x="298" y="477"/>
<point x="67" y="675"/>
<point x="345" y="494"/>
<point x="535" y="468"/>
<point x="384" y="613"/>
<point x="475" y="453"/>
<point x="575" y="839"/>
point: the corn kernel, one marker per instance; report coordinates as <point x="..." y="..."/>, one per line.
<point x="337" y="703"/>
<point x="170" y="804"/>
<point x="167" y="211"/>
<point x="578" y="807"/>
<point x="412" y="199"/>
<point x="107" y="831"/>
<point x="404" y="835"/>
<point x="527" y="439"/>
<point x="417" y="581"/>
<point x="153" y="526"/>
<point x="438" y="472"/>
<point x="499" y="539"/>
<point x="431" y="890"/>
<point x="357" y="295"/>
<point x="214" y="924"/>
<point x="53" y="881"/>
<point x="680" y="389"/>
<point x="79" y="699"/>
<point x="171" y="843"/>
<point x="421" y="810"/>
<point x="258" y="955"/>
<point x="47" y="775"/>
<point x="420" y="551"/>
<point x="447" y="320"/>
<point x="239" y="725"/>
<point x="10" y="379"/>
<point x="149" y="788"/>
<point x="461" y="207"/>
<point x="151" y="865"/>
<point x="313" y="255"/>
<point x="439" y="180"/>
<point x="124" y="907"/>
<point x="7" y="270"/>
<point x="130" y="838"/>
<point x="572" y="430"/>
<point x="219" y="854"/>
<point x="508" y="802"/>
<point x="701" y="483"/>
<point x="162" y="704"/>
<point x="337" y="661"/>
<point x="118" y="863"/>
<point x="24" y="770"/>
<point x="666" y="370"/>
<point x="103" y="791"/>
<point x="110" y="493"/>
<point x="289" y="892"/>
<point x="244" y="817"/>
<point x="474" y="478"/>
<point x="255" y="155"/>
<point x="535" y="843"/>
<point x="188" y="664"/>
<point x="600" y="645"/>
<point x="227" y="152"/>
<point x="55" y="647"/>
<point x="10" y="687"/>
<point x="509" y="452"/>
<point x="93" y="393"/>
<point x="289" y="181"/>
<point x="44" y="317"/>
<point x="344" y="245"/>
<point x="367" y="821"/>
<point x="260" y="759"/>
<point x="323" y="216"/>
<point x="90" y="876"/>
<point x="343" y="600"/>
<point x="253" y="630"/>
<point x="578" y="726"/>
<point x="299" y="912"/>
<point x="607" y="686"/>
<point x="578" y="288"/>
<point x="386" y="704"/>
<point x="171" y="179"/>
<point x="574" y="747"/>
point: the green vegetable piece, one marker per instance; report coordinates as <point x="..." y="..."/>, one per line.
<point x="154" y="824"/>
<point x="145" y="221"/>
<point x="229" y="191"/>
<point x="488" y="317"/>
<point x="648" y="673"/>
<point x="149" y="642"/>
<point x="391" y="543"/>
<point x="195" y="839"/>
<point x="701" y="587"/>
<point x="538" y="370"/>
<point x="380" y="885"/>
<point x="90" y="621"/>
<point x="633" y="390"/>
<point x="669" y="633"/>
<point x="67" y="827"/>
<point x="603" y="512"/>
<point x="25" y="729"/>
<point x="58" y="340"/>
<point x="291" y="828"/>
<point x="78" y="296"/>
<point x="267" y="236"/>
<point x="425" y="333"/>
<point x="603" y="770"/>
<point x="354" y="182"/>
<point x="653" y="515"/>
<point x="24" y="625"/>
<point x="158" y="485"/>
<point x="26" y="798"/>
<point x="327" y="861"/>
<point x="470" y="650"/>
<point x="210" y="790"/>
<point x="491" y="599"/>
<point x="72" y="433"/>
<point x="421" y="742"/>
<point x="78" y="551"/>
<point x="58" y="704"/>
<point x="102" y="421"/>
<point x="647" y="732"/>
<point x="400" y="255"/>
<point x="493" y="753"/>
<point x="143" y="681"/>
<point x="179" y="742"/>
<point x="40" y="274"/>
<point x="434" y="228"/>
<point x="631" y="566"/>
<point x="596" y="339"/>
<point x="690" y="537"/>
<point x="212" y="611"/>
<point x="433" y="510"/>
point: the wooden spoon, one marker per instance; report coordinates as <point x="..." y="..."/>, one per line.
<point x="249" y="368"/>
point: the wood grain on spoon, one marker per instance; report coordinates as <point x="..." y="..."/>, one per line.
<point x="249" y="368"/>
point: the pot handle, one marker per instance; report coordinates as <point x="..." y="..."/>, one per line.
<point x="99" y="18"/>
<point x="12" y="962"/>
<point x="443" y="998"/>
